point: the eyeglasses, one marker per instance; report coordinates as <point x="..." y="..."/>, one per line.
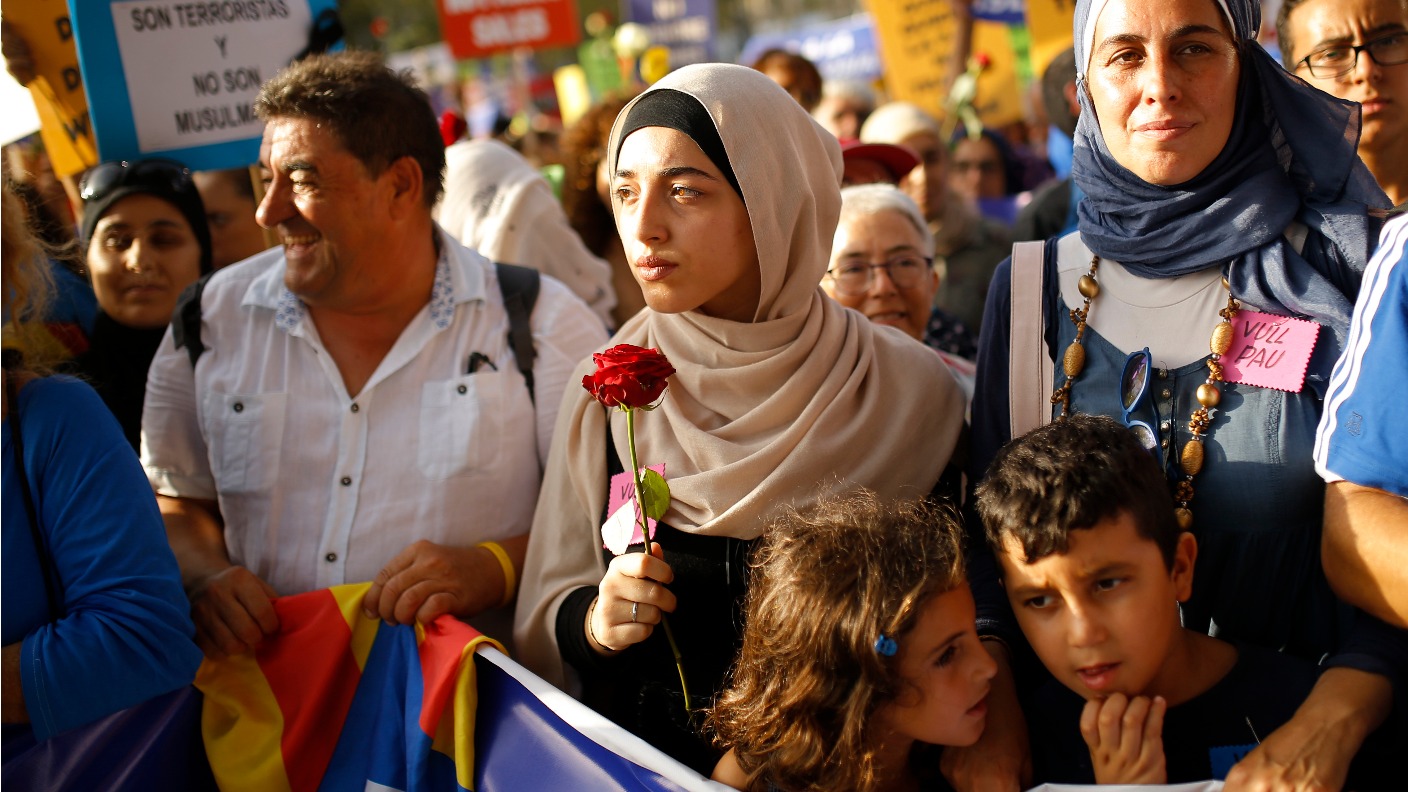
<point x="855" y="278"/>
<point x="1134" y="391"/>
<point x="1389" y="50"/>
<point x="108" y="176"/>
<point x="982" y="166"/>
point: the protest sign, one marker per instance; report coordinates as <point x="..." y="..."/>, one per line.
<point x="1269" y="351"/>
<point x="1050" y="24"/>
<point x="57" y="89"/>
<point x="685" y="27"/>
<point x="18" y="116"/>
<point x="600" y="68"/>
<point x="843" y="49"/>
<point x="574" y="97"/>
<point x="179" y="79"/>
<point x="479" y="28"/>
<point x="916" y="38"/>
<point x="1008" y="12"/>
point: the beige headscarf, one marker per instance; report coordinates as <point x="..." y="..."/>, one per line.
<point x="808" y="399"/>
<point x="498" y="204"/>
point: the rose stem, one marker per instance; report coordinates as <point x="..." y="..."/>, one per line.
<point x="645" y="535"/>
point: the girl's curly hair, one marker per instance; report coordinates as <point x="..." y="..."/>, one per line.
<point x="826" y="585"/>
<point x="583" y="147"/>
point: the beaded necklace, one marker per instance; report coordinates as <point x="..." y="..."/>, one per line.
<point x="1209" y="393"/>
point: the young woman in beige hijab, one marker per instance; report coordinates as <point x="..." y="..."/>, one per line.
<point x="726" y="196"/>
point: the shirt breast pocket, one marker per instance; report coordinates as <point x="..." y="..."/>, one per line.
<point x="245" y="432"/>
<point x="459" y="424"/>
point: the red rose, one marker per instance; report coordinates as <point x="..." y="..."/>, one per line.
<point x="628" y="376"/>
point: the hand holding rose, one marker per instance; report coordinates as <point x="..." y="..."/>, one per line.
<point x="632" y="378"/>
<point x="631" y="600"/>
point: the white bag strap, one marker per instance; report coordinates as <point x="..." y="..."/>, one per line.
<point x="1030" y="368"/>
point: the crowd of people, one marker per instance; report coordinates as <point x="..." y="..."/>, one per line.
<point x="944" y="511"/>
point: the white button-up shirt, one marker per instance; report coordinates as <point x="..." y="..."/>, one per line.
<point x="318" y="487"/>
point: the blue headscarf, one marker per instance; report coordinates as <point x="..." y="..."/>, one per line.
<point x="1291" y="156"/>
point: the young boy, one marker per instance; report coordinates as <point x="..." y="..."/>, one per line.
<point x="1094" y="565"/>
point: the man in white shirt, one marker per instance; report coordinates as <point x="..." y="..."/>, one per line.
<point x="357" y="412"/>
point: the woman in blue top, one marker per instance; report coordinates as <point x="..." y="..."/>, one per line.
<point x="1203" y="164"/>
<point x="94" y="618"/>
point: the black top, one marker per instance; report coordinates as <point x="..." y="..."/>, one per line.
<point x="1203" y="737"/>
<point x="639" y="688"/>
<point x="116" y="364"/>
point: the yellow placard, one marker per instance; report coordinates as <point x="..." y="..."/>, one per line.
<point x="916" y="37"/>
<point x="654" y="64"/>
<point x="999" y="101"/>
<point x="58" y="90"/>
<point x="573" y="97"/>
<point x="1050" y="23"/>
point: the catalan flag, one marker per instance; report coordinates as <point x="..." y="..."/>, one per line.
<point x="338" y="701"/>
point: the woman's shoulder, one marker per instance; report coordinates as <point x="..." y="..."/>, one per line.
<point x="61" y="406"/>
<point x="57" y="392"/>
<point x="1071" y="253"/>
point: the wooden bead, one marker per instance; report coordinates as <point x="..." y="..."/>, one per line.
<point x="1184" y="517"/>
<point x="1209" y="395"/>
<point x="1074" y="360"/>
<point x="1192" y="457"/>
<point x="1221" y="338"/>
<point x="1089" y="287"/>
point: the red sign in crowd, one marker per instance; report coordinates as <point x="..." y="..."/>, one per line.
<point x="476" y="28"/>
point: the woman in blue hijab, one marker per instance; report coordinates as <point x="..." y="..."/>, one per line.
<point x="1217" y="185"/>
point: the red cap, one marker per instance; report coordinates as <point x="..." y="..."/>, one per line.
<point x="452" y="127"/>
<point x="898" y="160"/>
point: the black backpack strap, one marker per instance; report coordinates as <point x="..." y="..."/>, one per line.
<point x="519" y="286"/>
<point x="185" y="320"/>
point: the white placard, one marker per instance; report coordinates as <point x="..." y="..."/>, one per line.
<point x="194" y="69"/>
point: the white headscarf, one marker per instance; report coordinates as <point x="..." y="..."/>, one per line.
<point x="498" y="204"/>
<point x="810" y="399"/>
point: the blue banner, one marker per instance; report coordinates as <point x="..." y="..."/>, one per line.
<point x="686" y="27"/>
<point x="1008" y="12"/>
<point x="842" y="50"/>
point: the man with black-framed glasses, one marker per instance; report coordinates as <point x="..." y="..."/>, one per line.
<point x="1358" y="50"/>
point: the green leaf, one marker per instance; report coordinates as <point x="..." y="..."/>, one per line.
<point x="655" y="494"/>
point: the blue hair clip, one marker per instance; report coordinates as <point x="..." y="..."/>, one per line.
<point x="886" y="646"/>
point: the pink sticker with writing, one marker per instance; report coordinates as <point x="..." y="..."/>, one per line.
<point x="1269" y="351"/>
<point x="622" y="528"/>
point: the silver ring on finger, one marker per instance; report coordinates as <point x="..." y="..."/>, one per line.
<point x="635" y="611"/>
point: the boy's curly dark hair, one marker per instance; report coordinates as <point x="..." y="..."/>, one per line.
<point x="826" y="584"/>
<point x="1070" y="475"/>
<point x="377" y="114"/>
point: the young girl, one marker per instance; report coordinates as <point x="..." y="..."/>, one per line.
<point x="859" y="652"/>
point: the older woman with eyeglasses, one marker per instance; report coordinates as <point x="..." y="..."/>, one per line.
<point x="145" y="239"/>
<point x="882" y="264"/>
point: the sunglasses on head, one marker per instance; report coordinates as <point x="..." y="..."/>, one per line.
<point x="102" y="179"/>
<point x="1134" y="392"/>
